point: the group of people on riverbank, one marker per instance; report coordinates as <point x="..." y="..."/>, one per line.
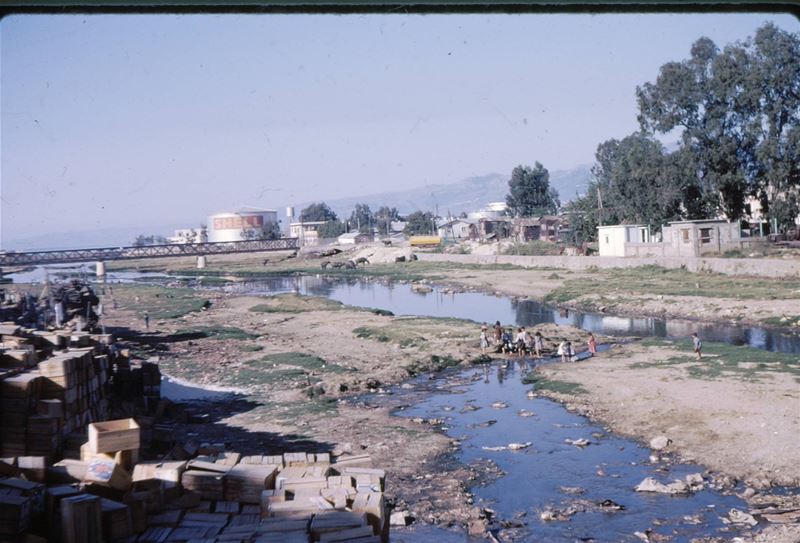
<point x="505" y="341"/>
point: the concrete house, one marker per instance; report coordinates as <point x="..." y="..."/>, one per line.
<point x="678" y="238"/>
<point x="306" y="232"/>
<point x="696" y="238"/>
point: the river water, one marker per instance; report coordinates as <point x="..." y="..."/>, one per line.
<point x="400" y="299"/>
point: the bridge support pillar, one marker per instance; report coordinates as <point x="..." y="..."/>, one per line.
<point x="100" y="268"/>
<point x="201" y="262"/>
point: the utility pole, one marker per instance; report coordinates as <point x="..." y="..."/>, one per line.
<point x="600" y="206"/>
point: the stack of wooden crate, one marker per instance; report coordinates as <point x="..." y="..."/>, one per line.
<point x="215" y="497"/>
<point x="43" y="406"/>
<point x="18" y="397"/>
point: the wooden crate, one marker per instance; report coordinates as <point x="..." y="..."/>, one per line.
<point x="209" y="485"/>
<point x="117" y="522"/>
<point x="107" y="472"/>
<point x="81" y="519"/>
<point x="373" y="505"/>
<point x="15" y="514"/>
<point x="244" y="483"/>
<point x="114" y="435"/>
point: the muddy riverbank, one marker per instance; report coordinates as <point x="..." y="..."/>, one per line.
<point x="647" y="291"/>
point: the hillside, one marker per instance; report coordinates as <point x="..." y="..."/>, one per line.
<point x="466" y="195"/>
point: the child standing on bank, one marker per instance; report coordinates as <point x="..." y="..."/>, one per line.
<point x="698" y="346"/>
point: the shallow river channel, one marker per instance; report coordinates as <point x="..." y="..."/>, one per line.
<point x="587" y="489"/>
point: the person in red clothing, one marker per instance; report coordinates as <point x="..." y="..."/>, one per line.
<point x="592" y="344"/>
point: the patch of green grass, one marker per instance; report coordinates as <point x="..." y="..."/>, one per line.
<point x="655" y="280"/>
<point x="296" y="303"/>
<point x="723" y="359"/>
<point x="534" y="248"/>
<point x="303" y="360"/>
<point x="160" y="302"/>
<point x="365" y="332"/>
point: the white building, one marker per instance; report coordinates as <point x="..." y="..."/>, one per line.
<point x="239" y="225"/>
<point x="307" y="232"/>
<point x="189" y="235"/>
<point x="612" y="240"/>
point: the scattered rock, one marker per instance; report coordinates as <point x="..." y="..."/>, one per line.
<point x="499" y="405"/>
<point x="526" y="413"/>
<point x="660" y="443"/>
<point x="519" y="446"/>
<point x="651" y="485"/>
<point x="739" y="517"/>
<point x="611" y="505"/>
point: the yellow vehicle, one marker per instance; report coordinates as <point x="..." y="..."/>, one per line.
<point x="425" y="241"/>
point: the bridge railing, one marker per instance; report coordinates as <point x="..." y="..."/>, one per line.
<point x="12" y="258"/>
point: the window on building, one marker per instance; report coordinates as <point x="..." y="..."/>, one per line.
<point x="606" y="239"/>
<point x="705" y="235"/>
<point x="685" y="235"/>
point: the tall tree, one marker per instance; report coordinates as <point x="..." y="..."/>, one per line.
<point x="384" y="218"/>
<point x="530" y="193"/>
<point x="633" y="181"/>
<point x="271" y="230"/>
<point x="738" y="111"/>
<point x="331" y="229"/>
<point x="318" y="212"/>
<point x="420" y="223"/>
<point x="362" y="218"/>
<point x="774" y="85"/>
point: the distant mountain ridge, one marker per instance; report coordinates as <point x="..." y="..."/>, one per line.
<point x="467" y="195"/>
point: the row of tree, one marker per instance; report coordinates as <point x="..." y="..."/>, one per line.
<point x="363" y="219"/>
<point x="737" y="113"/>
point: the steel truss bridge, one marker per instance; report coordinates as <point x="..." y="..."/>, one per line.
<point x="12" y="258"/>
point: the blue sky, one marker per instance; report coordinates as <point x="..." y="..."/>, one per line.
<point x="140" y="121"/>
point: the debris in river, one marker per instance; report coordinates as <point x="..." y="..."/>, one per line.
<point x="499" y="405"/>
<point x="572" y="489"/>
<point x="692" y="483"/>
<point x="580" y="443"/>
<point x="483" y="424"/>
<point x="495" y="448"/>
<point x="519" y="446"/>
<point x="739" y="517"/>
<point x="526" y="413"/>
